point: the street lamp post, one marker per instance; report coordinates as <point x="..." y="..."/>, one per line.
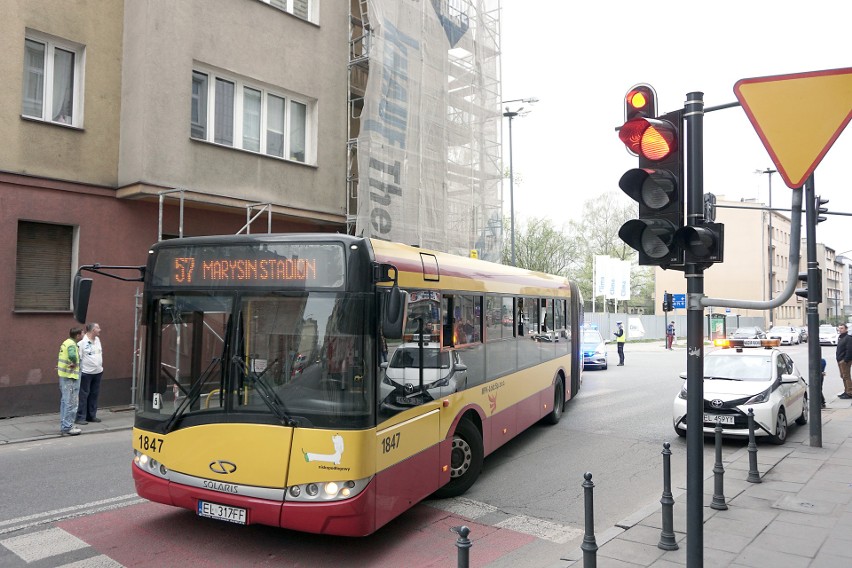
<point x="511" y="114"/>
<point x="769" y="172"/>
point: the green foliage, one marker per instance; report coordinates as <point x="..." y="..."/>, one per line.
<point x="571" y="251"/>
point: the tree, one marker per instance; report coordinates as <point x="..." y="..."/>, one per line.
<point x="597" y="232"/>
<point x="540" y="246"/>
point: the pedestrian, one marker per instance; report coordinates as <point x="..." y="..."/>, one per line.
<point x="670" y="335"/>
<point x="92" y="369"/>
<point x="68" y="369"/>
<point x="822" y="363"/>
<point x="844" y="359"/>
<point x="620" y="338"/>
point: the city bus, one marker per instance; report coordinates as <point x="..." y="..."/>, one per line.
<point x="328" y="383"/>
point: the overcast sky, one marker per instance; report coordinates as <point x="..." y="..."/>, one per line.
<point x="580" y="58"/>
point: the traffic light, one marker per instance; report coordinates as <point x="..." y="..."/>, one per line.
<point x="640" y="102"/>
<point x="803" y="292"/>
<point x="820" y="209"/>
<point x="668" y="302"/>
<point x="703" y="243"/>
<point x="657" y="185"/>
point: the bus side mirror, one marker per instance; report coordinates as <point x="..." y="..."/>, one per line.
<point x="393" y="313"/>
<point x="80" y="296"/>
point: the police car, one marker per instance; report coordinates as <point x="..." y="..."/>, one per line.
<point x="736" y="380"/>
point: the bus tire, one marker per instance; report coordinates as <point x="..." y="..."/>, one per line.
<point x="558" y="403"/>
<point x="466" y="458"/>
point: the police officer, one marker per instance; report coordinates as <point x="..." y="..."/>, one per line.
<point x="620" y="338"/>
<point x="68" y="368"/>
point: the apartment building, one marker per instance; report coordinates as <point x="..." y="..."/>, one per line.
<point x="108" y="108"/>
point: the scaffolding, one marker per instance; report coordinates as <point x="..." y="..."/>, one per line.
<point x="423" y="150"/>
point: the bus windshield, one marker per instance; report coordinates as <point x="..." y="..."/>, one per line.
<point x="295" y="358"/>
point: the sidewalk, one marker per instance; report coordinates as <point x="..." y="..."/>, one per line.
<point x="799" y="516"/>
<point x="42" y="426"/>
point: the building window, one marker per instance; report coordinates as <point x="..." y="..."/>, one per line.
<point x="299" y="8"/>
<point x="43" y="267"/>
<point x="231" y="112"/>
<point x="53" y="84"/>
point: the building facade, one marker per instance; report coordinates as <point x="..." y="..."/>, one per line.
<point x="130" y="121"/>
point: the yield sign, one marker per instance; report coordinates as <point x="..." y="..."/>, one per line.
<point x="798" y="117"/>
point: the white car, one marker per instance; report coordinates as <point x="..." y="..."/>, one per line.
<point x="827" y="335"/>
<point x="788" y="335"/>
<point x="443" y="374"/>
<point x="735" y="380"/>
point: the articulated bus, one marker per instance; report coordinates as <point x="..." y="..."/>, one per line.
<point x="328" y="383"/>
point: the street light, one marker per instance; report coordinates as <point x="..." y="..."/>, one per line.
<point x="769" y="172"/>
<point x="510" y="114"/>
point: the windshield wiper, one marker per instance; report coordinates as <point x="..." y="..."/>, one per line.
<point x="267" y="393"/>
<point x="721" y="379"/>
<point x="193" y="394"/>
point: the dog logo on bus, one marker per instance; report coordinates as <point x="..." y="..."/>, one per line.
<point x="337" y="442"/>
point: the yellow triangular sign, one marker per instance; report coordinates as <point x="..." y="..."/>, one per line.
<point x="798" y="117"/>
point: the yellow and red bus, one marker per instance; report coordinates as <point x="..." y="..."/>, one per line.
<point x="328" y="383"/>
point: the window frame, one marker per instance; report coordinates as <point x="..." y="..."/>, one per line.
<point x="51" y="44"/>
<point x="289" y="8"/>
<point x="73" y="263"/>
<point x="207" y="102"/>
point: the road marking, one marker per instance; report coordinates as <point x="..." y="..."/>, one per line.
<point x="94" y="562"/>
<point x="20" y="523"/>
<point x="463" y="507"/>
<point x="538" y="528"/>
<point x="43" y="544"/>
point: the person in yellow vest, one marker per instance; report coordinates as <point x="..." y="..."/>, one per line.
<point x="620" y="338"/>
<point x="68" y="368"/>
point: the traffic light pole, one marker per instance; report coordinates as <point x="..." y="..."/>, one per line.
<point x="814" y="353"/>
<point x="693" y="113"/>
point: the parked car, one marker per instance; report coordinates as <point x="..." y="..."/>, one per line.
<point x="594" y="349"/>
<point x="736" y="380"/>
<point x="827" y="335"/>
<point x="755" y="333"/>
<point x="788" y="335"/>
<point x="443" y="374"/>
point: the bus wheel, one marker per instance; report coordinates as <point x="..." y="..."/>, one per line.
<point x="558" y="403"/>
<point x="465" y="460"/>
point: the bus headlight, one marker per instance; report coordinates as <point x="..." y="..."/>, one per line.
<point x="326" y="490"/>
<point x="149" y="465"/>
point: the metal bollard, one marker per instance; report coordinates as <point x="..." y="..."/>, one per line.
<point x="753" y="474"/>
<point x="463" y="544"/>
<point x="589" y="546"/>
<point x="667" y="536"/>
<point x="718" y="502"/>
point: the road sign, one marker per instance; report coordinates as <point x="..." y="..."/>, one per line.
<point x="679" y="301"/>
<point x="798" y="117"/>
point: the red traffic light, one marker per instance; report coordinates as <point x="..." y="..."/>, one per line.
<point x="650" y="138"/>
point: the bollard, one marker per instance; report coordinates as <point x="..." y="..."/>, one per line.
<point x="718" y="502"/>
<point x="667" y="536"/>
<point x="589" y="546"/>
<point x="753" y="474"/>
<point x="463" y="544"/>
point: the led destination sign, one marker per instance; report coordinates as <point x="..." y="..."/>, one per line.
<point x="277" y="265"/>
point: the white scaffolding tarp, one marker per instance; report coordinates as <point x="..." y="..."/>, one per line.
<point x="429" y="166"/>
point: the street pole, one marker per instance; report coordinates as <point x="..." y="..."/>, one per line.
<point x="814" y="349"/>
<point x="510" y="115"/>
<point x="769" y="172"/>
<point x="694" y="273"/>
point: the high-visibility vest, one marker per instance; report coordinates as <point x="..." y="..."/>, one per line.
<point x="63" y="366"/>
<point x="623" y="337"/>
